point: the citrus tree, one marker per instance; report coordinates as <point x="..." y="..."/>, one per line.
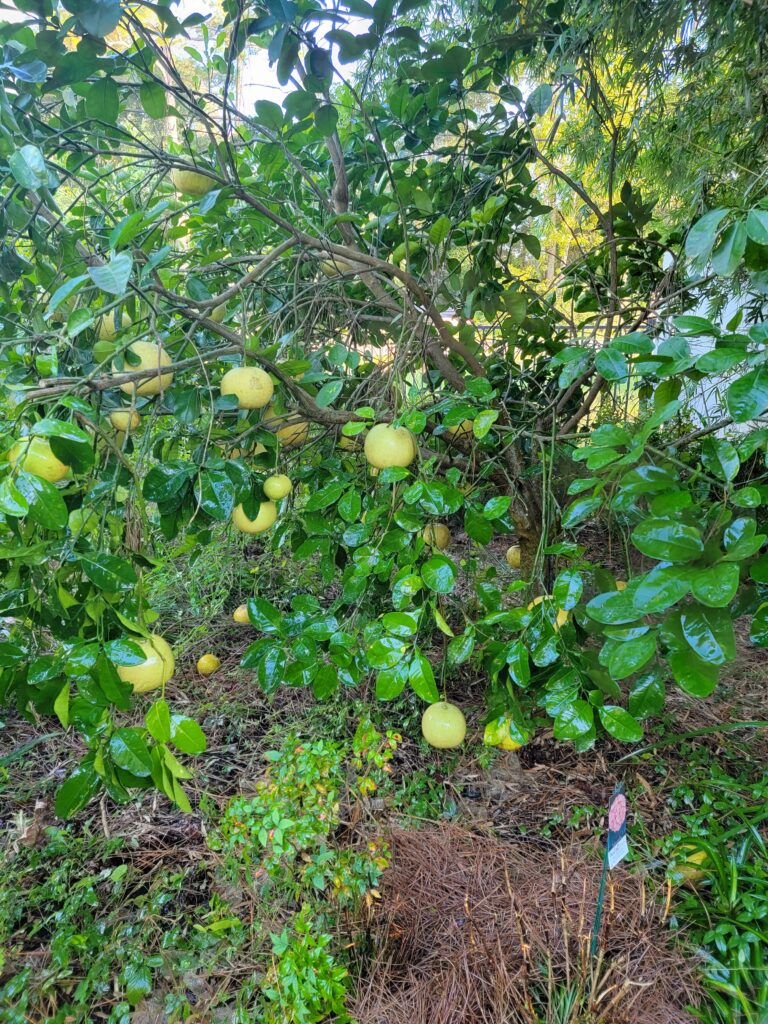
<point x="329" y="323"/>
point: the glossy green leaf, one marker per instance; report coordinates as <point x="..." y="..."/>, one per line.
<point x="628" y="657"/>
<point x="573" y="720"/>
<point x="668" y="540"/>
<point x="620" y="723"/>
<point x="187" y="735"/>
<point x="717" y="585"/>
<point x="439" y="574"/>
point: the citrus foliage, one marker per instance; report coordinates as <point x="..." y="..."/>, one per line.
<point x="200" y="300"/>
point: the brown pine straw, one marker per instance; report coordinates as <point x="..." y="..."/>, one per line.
<point x="470" y="930"/>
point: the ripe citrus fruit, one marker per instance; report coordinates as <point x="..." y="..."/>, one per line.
<point x="693" y="868"/>
<point x="387" y="446"/>
<point x="621" y="585"/>
<point x="124" y="419"/>
<point x="34" y="455"/>
<point x="277" y="487"/>
<point x="437" y="534"/>
<point x="293" y="435"/>
<point x="207" y="664"/>
<point x="155" y="670"/>
<point x="460" y="433"/>
<point x="513" y="556"/>
<point x="151" y="357"/>
<point x="443" y="725"/>
<point x="193" y="183"/>
<point x="253" y="387"/>
<point x="107" y="330"/>
<point x="266" y="517"/>
<point x="240" y="614"/>
<point x="336" y="266"/>
<point x="562" y="614"/>
<point x="218" y="313"/>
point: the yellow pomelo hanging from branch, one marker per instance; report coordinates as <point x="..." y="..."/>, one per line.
<point x="387" y="446"/>
<point x="151" y="357"/>
<point x="252" y="386"/>
<point x="265" y="518"/>
<point x="292" y="435"/>
<point x="125" y="420"/>
<point x="34" y="455"/>
<point x="277" y="487"/>
<point x="192" y="183"/>
<point x="107" y="330"/>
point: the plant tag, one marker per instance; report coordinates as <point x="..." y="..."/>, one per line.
<point x="617" y="847"/>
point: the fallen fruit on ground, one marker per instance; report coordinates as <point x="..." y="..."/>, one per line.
<point x="151" y="357"/>
<point x="107" y="331"/>
<point x="265" y="518"/>
<point x="156" y="669"/>
<point x="513" y="556"/>
<point x="387" y="446"/>
<point x="443" y="725"/>
<point x="691" y="863"/>
<point x="124" y="419"/>
<point x="34" y="455"/>
<point x="240" y="614"/>
<point x="437" y="535"/>
<point x="192" y="183"/>
<point x="277" y="487"/>
<point x="252" y="386"/>
<point x="292" y="435"/>
<point x="207" y="664"/>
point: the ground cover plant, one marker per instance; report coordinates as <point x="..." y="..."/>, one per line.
<point x="366" y="450"/>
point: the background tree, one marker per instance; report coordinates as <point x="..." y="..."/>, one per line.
<point x="374" y="245"/>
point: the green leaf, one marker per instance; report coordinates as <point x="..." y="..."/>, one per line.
<point x="620" y="724"/>
<point x="326" y="119"/>
<point x="390" y="682"/>
<point x="702" y="235"/>
<point x="461" y="647"/>
<point x="12" y="501"/>
<point x="270" y="114"/>
<point x="720" y="458"/>
<point x="647" y="695"/>
<point x="124" y="652"/>
<point x="78" y="789"/>
<point x="386" y="652"/>
<point x="440" y="230"/>
<point x="662" y="587"/>
<point x="758" y="632"/>
<point x="539" y="100"/>
<point x="129" y="750"/>
<point x="516" y="656"/>
<point x="400" y="624"/>
<point x="102" y="101"/>
<point x="614" y="608"/>
<point x="708" y="633"/>
<point x="747" y="397"/>
<point x="628" y="657"/>
<point x="611" y="364"/>
<point x="422" y="679"/>
<point x="97" y="17"/>
<point x="27" y="165"/>
<point x="716" y="586"/>
<point x="483" y="422"/>
<point x="439" y="574"/>
<point x="216" y="494"/>
<point x="329" y="392"/>
<point x="187" y="735"/>
<point x="158" y="721"/>
<point x="729" y="250"/>
<point x="109" y="572"/>
<point x="667" y="540"/>
<point x="692" y="675"/>
<point x="113" y="276"/>
<point x="326" y="496"/>
<point x="574" y="719"/>
<point x="61" y="705"/>
<point x="494" y="508"/>
<point x="568" y="589"/>
<point x="757" y="226"/>
<point x="579" y="510"/>
<point x="152" y="99"/>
